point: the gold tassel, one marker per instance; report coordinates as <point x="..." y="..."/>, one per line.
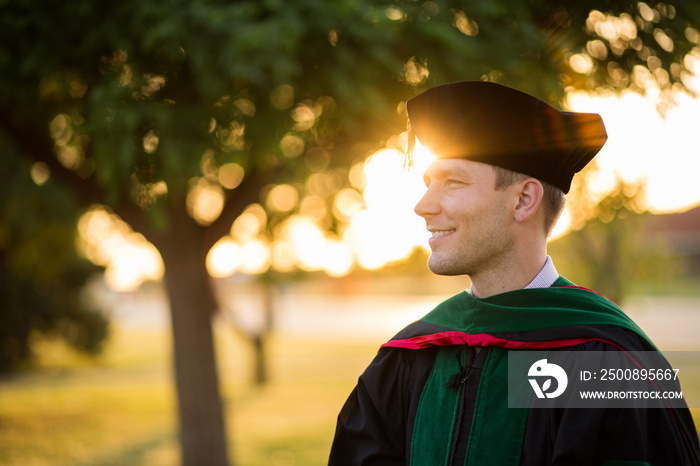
<point x="410" y="147"/>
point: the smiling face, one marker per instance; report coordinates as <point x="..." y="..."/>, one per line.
<point x="470" y="222"/>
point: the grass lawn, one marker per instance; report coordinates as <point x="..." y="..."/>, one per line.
<point x="120" y="410"/>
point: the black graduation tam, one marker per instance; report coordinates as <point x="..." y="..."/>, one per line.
<point x="491" y="123"/>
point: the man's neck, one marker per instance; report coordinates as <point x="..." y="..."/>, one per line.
<point x="528" y="275"/>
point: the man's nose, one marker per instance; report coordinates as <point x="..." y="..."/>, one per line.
<point x="428" y="205"/>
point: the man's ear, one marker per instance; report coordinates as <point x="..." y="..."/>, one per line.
<point x="530" y="193"/>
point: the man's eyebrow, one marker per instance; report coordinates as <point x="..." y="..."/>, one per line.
<point x="443" y="173"/>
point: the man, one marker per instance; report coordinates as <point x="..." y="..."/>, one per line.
<point x="437" y="393"/>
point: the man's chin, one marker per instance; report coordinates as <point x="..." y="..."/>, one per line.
<point x="439" y="267"/>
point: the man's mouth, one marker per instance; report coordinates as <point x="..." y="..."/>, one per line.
<point x="439" y="233"/>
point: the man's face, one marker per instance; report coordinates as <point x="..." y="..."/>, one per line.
<point x="469" y="220"/>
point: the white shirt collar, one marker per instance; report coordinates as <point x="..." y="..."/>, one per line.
<point x="545" y="277"/>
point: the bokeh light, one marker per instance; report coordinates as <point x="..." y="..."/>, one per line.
<point x="129" y="259"/>
<point x="205" y="201"/>
<point x="282" y="198"/>
<point x="224" y="258"/>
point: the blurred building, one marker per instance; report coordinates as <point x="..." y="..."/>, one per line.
<point x="680" y="232"/>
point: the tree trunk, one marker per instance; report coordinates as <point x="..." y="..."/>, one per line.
<point x="259" y="343"/>
<point x="192" y="304"/>
<point x="260" y="339"/>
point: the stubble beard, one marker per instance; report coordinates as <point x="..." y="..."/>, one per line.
<point x="481" y="254"/>
<point x="447" y="266"/>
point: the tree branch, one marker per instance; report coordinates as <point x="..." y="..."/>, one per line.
<point x="245" y="194"/>
<point x="39" y="146"/>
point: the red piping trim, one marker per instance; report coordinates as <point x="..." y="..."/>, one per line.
<point x="482" y="339"/>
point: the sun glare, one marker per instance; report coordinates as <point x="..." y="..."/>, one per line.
<point x="662" y="151"/>
<point x="387" y="229"/>
<point x="380" y="225"/>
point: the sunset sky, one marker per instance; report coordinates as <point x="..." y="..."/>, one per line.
<point x="643" y="144"/>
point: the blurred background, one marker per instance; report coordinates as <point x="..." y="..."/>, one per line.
<point x="207" y="227"/>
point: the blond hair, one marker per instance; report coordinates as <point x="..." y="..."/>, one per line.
<point x="553" y="198"/>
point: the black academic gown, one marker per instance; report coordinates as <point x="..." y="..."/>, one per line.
<point x="377" y="423"/>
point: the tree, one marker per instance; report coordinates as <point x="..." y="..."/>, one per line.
<point x="607" y="249"/>
<point x="145" y="106"/>
<point x="41" y="273"/>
